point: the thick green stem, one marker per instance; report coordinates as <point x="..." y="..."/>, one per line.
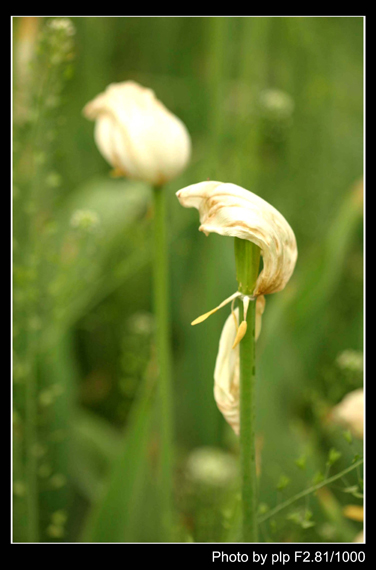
<point x="247" y="257"/>
<point x="161" y="297"/>
<point x="247" y="265"/>
<point x="247" y="426"/>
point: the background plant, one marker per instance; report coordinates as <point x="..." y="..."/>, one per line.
<point x="84" y="369"/>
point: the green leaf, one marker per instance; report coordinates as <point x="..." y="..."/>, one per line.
<point x="263" y="508"/>
<point x="117" y="203"/>
<point x="86" y="265"/>
<point x="283" y="482"/>
<point x="307" y="524"/>
<point x="347" y="435"/>
<point x="95" y="445"/>
<point x="233" y="533"/>
<point x="318" y="477"/>
<point x="308" y="515"/>
<point x="295" y="517"/>
<point x="115" y="516"/>
<point x="352" y="489"/>
<point x="301" y="462"/>
<point x="303" y="519"/>
<point x="333" y="456"/>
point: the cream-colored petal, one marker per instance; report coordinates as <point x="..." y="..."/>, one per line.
<point x="226" y="372"/>
<point x="148" y="141"/>
<point x="229" y="210"/>
<point x="109" y="140"/>
<point x="350" y="412"/>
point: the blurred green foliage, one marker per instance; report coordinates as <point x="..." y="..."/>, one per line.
<point x="274" y="104"/>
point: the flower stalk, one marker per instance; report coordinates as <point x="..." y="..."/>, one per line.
<point x="142" y="140"/>
<point x="247" y="427"/>
<point x="259" y="230"/>
<point x="161" y="296"/>
<point x="247" y="256"/>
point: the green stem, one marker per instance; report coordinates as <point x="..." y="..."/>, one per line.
<point x="247" y="257"/>
<point x="247" y="426"/>
<point x="161" y="297"/>
<point x="308" y="491"/>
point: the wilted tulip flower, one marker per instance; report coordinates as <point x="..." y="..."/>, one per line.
<point x="137" y="135"/>
<point x="350" y="412"/>
<point x="229" y="210"/>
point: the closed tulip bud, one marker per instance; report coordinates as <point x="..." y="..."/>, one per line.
<point x="137" y="135"/>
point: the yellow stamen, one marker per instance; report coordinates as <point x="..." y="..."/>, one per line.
<point x="206" y="315"/>
<point x="240" y="334"/>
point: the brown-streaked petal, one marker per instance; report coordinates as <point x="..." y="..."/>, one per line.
<point x="229" y="210"/>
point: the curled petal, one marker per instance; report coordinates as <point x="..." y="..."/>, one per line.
<point x="226" y="373"/>
<point x="229" y="210"/>
<point x="137" y="135"/>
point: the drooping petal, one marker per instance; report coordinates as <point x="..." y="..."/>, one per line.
<point x="229" y="210"/>
<point x="226" y="372"/>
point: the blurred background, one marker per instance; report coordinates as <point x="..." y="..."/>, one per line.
<point x="273" y="104"/>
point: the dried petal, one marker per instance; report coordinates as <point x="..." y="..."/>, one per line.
<point x="226" y="373"/>
<point x="229" y="210"/>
